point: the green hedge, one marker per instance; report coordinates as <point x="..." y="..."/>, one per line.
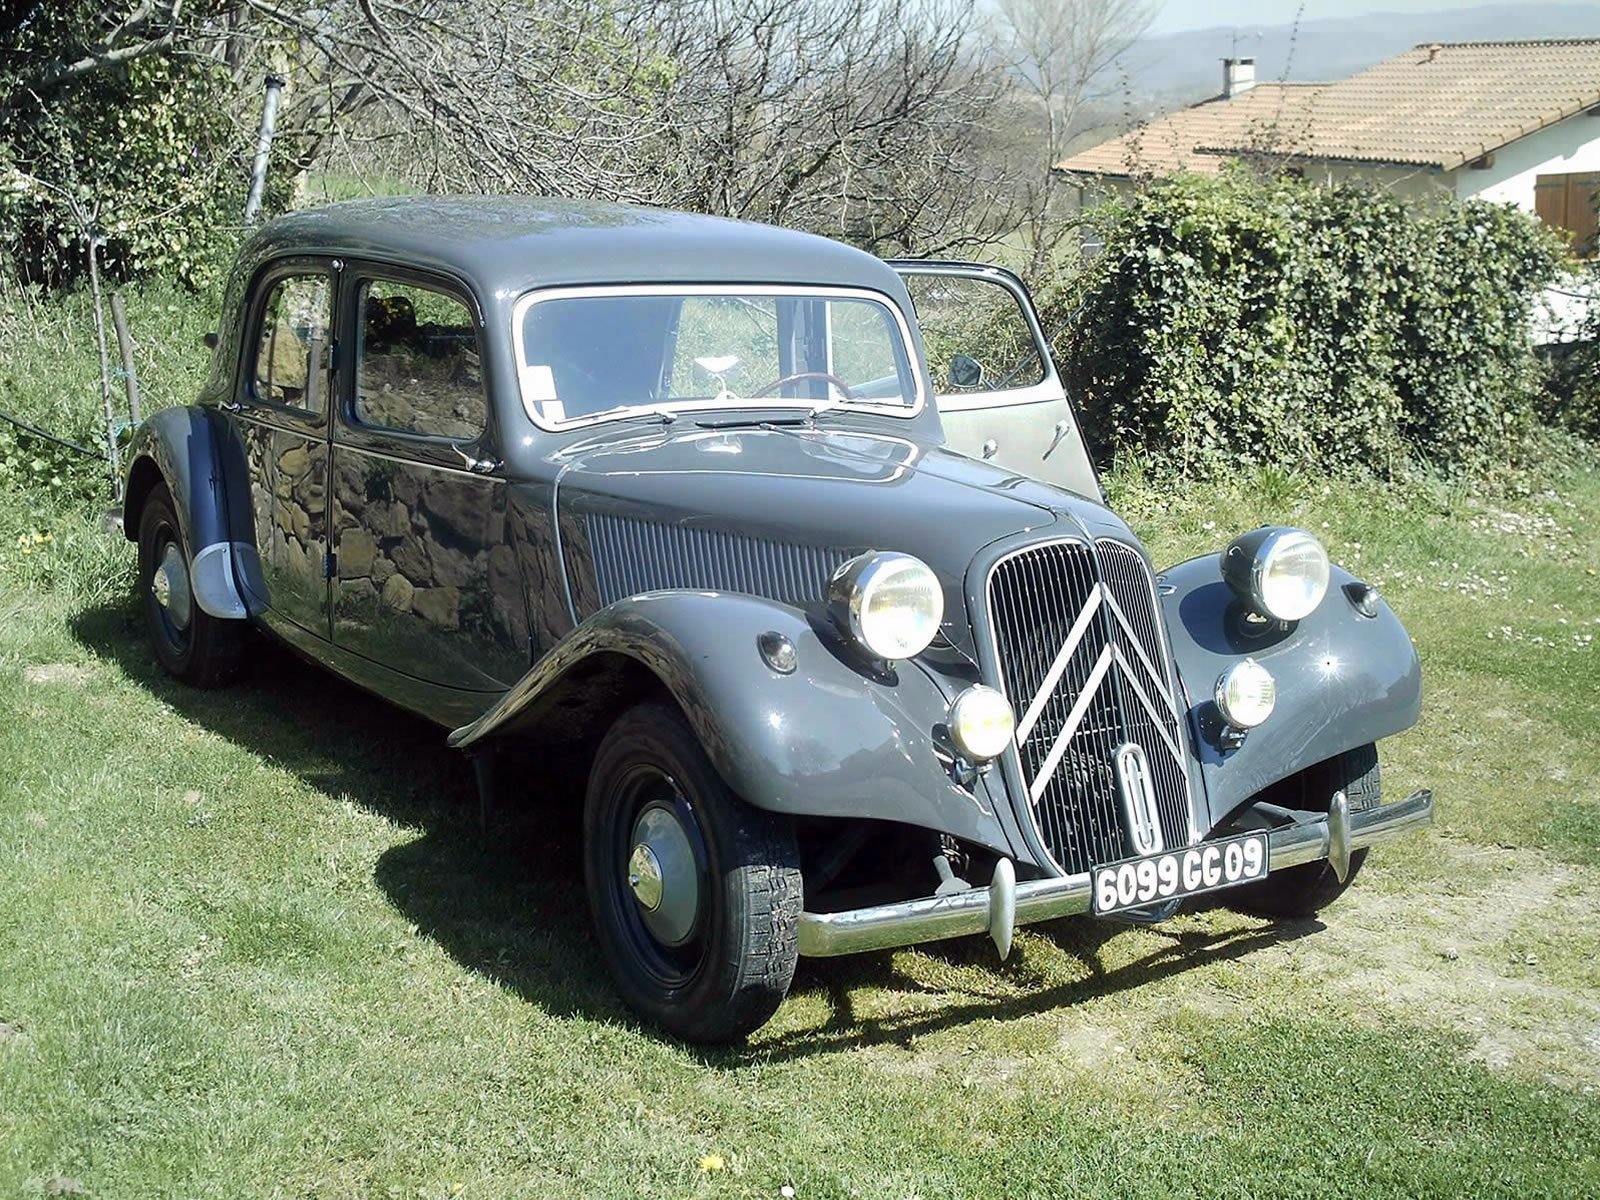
<point x="1231" y="319"/>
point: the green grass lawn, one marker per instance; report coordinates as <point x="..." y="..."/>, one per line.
<point x="252" y="942"/>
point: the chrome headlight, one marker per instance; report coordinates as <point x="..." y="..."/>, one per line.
<point x="982" y="723"/>
<point x="1246" y="694"/>
<point x="1279" y="572"/>
<point x="890" y="603"/>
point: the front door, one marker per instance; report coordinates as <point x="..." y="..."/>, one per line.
<point x="998" y="392"/>
<point x="281" y="421"/>
<point x="425" y="577"/>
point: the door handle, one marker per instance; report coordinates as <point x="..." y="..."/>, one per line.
<point x="478" y="466"/>
<point x="1060" y="431"/>
<point x="990" y="448"/>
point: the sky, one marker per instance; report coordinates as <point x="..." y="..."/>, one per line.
<point x="1177" y="15"/>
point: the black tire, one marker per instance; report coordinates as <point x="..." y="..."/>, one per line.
<point x="728" y="976"/>
<point x="203" y="651"/>
<point x="1304" y="891"/>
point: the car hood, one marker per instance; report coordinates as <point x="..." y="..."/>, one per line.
<point x="633" y="507"/>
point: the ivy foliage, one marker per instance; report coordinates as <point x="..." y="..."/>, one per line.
<point x="1233" y="320"/>
<point x="148" y="155"/>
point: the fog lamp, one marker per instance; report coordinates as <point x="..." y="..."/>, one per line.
<point x="1246" y="694"/>
<point x="982" y="723"/>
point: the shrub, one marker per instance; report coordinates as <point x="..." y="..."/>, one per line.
<point x="1231" y="320"/>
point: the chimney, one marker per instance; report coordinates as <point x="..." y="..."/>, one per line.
<point x="1238" y="76"/>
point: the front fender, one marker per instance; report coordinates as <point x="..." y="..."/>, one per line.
<point x="828" y="740"/>
<point x="1344" y="680"/>
<point x="179" y="447"/>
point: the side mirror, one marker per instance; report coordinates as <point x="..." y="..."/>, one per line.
<point x="209" y="340"/>
<point x="965" y="371"/>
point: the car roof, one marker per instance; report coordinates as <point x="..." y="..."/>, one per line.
<point x="506" y="245"/>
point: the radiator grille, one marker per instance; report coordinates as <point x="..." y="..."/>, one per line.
<point x="1078" y="644"/>
<point x="642" y="556"/>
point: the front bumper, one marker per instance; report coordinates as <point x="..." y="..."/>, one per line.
<point x="1005" y="903"/>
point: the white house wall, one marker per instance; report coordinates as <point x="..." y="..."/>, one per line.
<point x="1565" y="147"/>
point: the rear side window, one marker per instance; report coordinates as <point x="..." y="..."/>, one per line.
<point x="291" y="366"/>
<point x="417" y="363"/>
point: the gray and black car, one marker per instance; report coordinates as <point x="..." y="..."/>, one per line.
<point x="855" y="653"/>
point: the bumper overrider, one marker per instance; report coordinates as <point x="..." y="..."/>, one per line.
<point x="1005" y="904"/>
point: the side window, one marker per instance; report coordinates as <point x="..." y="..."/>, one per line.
<point x="417" y="364"/>
<point x="978" y="339"/>
<point x="292" y="343"/>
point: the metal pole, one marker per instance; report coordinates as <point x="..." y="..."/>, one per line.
<point x="119" y="318"/>
<point x="258" y="172"/>
<point x="113" y="457"/>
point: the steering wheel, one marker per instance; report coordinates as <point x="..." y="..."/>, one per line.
<point x="798" y="375"/>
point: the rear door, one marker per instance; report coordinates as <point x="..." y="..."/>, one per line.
<point x="999" y="396"/>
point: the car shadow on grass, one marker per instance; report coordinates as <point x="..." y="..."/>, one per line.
<point x="508" y="902"/>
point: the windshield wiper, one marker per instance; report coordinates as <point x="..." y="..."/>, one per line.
<point x="809" y="417"/>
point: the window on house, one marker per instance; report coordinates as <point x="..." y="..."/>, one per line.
<point x="291" y="343"/>
<point x="417" y="368"/>
<point x="1568" y="202"/>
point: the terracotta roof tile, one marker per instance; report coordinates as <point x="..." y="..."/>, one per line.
<point x="1437" y="105"/>
<point x="1264" y="115"/>
<point x="1443" y="105"/>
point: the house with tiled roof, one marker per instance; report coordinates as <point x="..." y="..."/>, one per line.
<point x="1513" y="122"/>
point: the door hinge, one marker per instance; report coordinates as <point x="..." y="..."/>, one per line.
<point x="330" y="564"/>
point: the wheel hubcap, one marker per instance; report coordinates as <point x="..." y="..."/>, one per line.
<point x="663" y="876"/>
<point x="170" y="586"/>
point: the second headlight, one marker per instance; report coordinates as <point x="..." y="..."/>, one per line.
<point x="1280" y="572"/>
<point x="890" y="603"/>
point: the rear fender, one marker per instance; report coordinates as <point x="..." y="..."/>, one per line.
<point x="1344" y="679"/>
<point x="828" y="740"/>
<point x="179" y="447"/>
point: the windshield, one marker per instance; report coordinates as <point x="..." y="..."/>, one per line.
<point x="591" y="353"/>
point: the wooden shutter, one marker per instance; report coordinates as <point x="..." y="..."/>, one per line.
<point x="1550" y="199"/>
<point x="1568" y="202"/>
<point x="1581" y="219"/>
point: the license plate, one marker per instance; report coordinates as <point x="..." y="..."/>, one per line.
<point x="1137" y="882"/>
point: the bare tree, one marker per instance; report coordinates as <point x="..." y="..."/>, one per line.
<point x="1059" y="49"/>
<point x="865" y="119"/>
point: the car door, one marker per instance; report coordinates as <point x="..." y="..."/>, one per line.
<point x="425" y="580"/>
<point x="998" y="392"/>
<point x="280" y="418"/>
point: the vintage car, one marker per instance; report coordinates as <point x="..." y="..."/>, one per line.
<point x="858" y="656"/>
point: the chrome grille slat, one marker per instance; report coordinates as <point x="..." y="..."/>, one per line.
<point x="1077" y="640"/>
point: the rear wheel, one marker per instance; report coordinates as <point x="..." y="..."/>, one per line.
<point x="1306" y="890"/>
<point x="695" y="894"/>
<point x="189" y="643"/>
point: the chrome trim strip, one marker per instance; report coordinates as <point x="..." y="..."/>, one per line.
<point x="1155" y="714"/>
<point x="1058" y="748"/>
<point x="964" y="914"/>
<point x="1138" y="648"/>
<point x="1195" y="790"/>
<point x="1058" y="667"/>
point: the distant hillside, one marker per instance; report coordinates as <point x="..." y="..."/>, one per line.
<point x="1179" y="68"/>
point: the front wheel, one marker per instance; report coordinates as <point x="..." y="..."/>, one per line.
<point x="695" y="894"/>
<point x="1306" y="890"/>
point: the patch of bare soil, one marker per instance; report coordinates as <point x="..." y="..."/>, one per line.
<point x="1457" y="961"/>
<point x="58" y="674"/>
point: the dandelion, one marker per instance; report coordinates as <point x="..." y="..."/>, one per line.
<point x="712" y="1163"/>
